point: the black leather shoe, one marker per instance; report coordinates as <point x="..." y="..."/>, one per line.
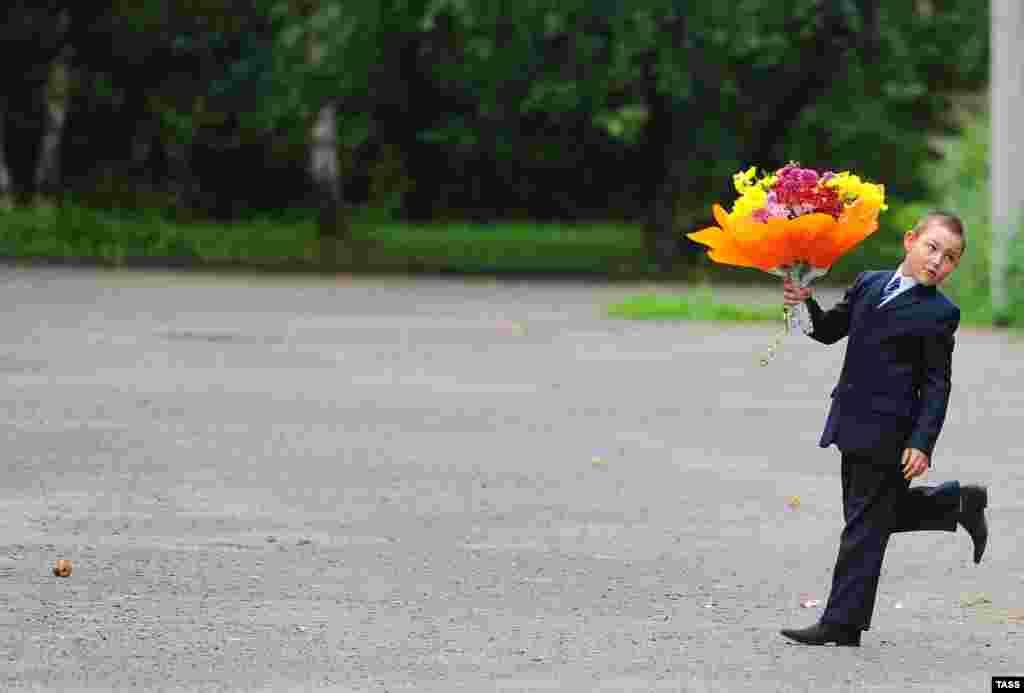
<point x="824" y="634"/>
<point x="973" y="501"/>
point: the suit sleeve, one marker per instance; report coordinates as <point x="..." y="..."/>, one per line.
<point x="936" y="383"/>
<point x="833" y="324"/>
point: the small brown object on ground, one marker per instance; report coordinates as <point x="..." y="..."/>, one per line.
<point x="63" y="568"/>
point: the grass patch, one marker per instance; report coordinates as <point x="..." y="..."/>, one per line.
<point x="699" y="306"/>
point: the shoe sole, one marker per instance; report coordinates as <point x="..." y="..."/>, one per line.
<point x="824" y="644"/>
<point x="827" y="643"/>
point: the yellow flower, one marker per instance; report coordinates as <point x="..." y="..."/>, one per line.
<point x="852" y="188"/>
<point x="744" y="179"/>
<point x="753" y="192"/>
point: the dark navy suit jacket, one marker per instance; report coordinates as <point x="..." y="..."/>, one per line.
<point x="894" y="387"/>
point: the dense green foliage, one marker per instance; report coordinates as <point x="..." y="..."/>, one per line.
<point x="475" y="110"/>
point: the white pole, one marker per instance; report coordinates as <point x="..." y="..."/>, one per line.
<point x="1007" y="106"/>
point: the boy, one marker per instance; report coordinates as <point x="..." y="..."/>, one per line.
<point x="886" y="414"/>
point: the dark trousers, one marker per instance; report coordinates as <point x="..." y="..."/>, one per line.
<point x="878" y="501"/>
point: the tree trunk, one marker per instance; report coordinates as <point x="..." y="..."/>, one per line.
<point x="671" y="147"/>
<point x="6" y="193"/>
<point x="324" y="171"/>
<point x="1007" y="112"/>
<point x="54" y="95"/>
<point x="660" y="229"/>
<point x="179" y="178"/>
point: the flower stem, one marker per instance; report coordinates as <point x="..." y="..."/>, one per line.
<point x="774" y="347"/>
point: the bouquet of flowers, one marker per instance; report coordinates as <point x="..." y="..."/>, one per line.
<point x="793" y="223"/>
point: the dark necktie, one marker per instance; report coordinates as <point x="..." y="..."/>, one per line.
<point x="890" y="288"/>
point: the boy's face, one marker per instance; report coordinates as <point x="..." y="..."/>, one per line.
<point x="932" y="254"/>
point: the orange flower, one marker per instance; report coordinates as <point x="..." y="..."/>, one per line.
<point x="816" y="240"/>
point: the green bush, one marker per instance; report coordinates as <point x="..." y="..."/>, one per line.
<point x="74" y="232"/>
<point x="1015" y="277"/>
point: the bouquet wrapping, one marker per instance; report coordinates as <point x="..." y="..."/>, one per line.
<point x="793" y="223"/>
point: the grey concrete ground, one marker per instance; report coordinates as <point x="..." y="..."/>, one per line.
<point x="295" y="483"/>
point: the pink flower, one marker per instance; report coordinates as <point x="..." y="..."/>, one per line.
<point x="801" y="191"/>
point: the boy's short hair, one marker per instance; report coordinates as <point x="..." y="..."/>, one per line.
<point x="947" y="220"/>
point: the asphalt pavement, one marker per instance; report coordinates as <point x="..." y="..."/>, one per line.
<point x="309" y="483"/>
